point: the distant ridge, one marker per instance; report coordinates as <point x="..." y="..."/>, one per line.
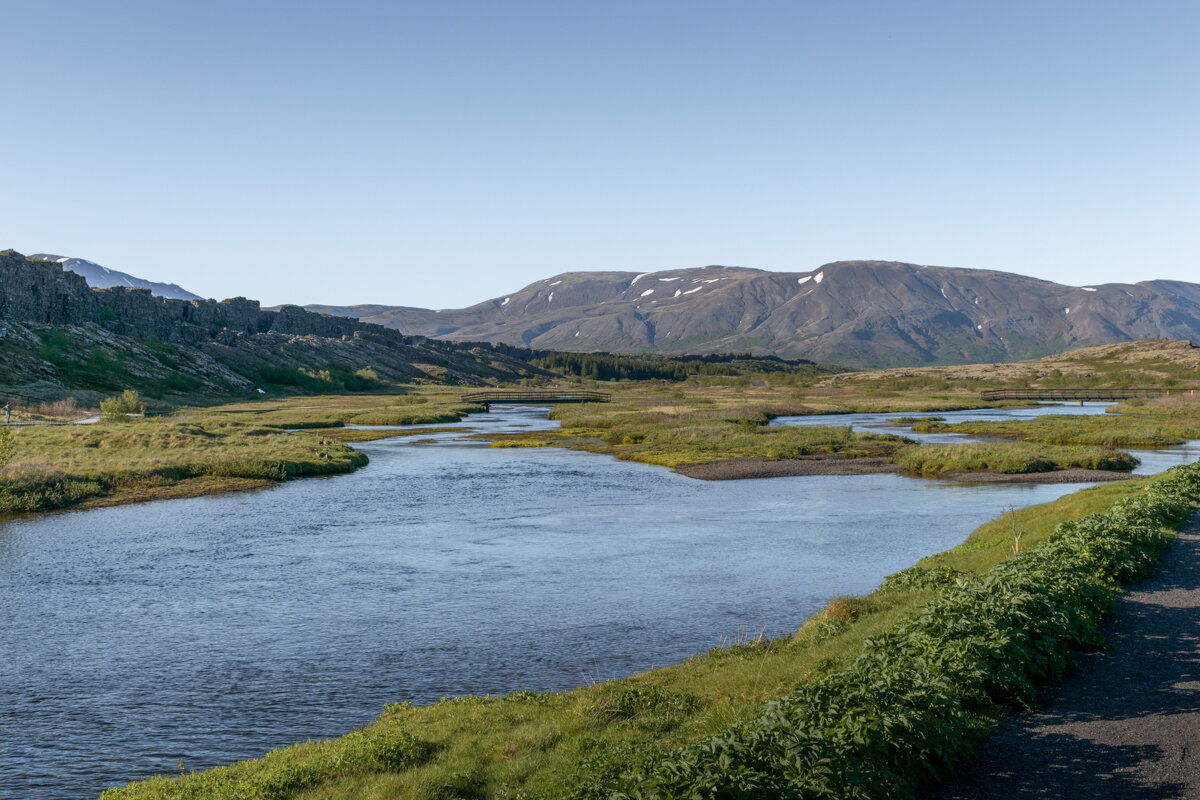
<point x="853" y="313"/>
<point x="99" y="277"/>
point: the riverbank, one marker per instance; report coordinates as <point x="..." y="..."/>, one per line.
<point x="549" y="745"/>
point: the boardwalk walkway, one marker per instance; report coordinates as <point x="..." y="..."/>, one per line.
<point x="535" y="396"/>
<point x="1098" y="395"/>
<point x="1126" y="725"/>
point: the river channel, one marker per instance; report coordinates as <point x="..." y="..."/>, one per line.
<point x="213" y="629"/>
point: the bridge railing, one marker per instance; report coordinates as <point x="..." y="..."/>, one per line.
<point x="536" y="396"/>
<point x="1069" y="394"/>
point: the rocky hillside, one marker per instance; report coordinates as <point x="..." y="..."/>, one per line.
<point x="857" y="313"/>
<point x="99" y="277"/>
<point x="57" y="333"/>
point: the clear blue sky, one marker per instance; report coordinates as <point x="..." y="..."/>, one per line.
<point x="441" y="153"/>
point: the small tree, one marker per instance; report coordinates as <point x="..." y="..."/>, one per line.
<point x="119" y="408"/>
<point x="8" y="448"/>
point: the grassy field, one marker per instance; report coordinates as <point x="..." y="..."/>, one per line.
<point x="407" y="406"/>
<point x="549" y="745"/>
<point x="109" y="462"/>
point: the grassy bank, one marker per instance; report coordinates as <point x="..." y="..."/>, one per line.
<point x="110" y="462"/>
<point x="672" y="426"/>
<point x="1010" y="457"/>
<point x="601" y="738"/>
<point x="407" y="406"/>
<point x="1160" y="422"/>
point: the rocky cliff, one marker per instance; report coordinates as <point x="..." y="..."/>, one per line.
<point x="55" y="328"/>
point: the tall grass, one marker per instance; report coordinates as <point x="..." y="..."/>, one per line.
<point x="1009" y="457"/>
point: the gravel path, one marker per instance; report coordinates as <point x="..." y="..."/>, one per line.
<point x="1126" y="725"/>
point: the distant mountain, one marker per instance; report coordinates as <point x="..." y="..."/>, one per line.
<point x="854" y="313"/>
<point x="99" y="277"/>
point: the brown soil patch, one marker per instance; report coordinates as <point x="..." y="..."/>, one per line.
<point x="739" y="468"/>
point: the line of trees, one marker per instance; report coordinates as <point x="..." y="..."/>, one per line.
<point x="611" y="366"/>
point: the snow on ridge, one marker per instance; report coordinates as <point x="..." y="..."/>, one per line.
<point x="698" y="288"/>
<point x="804" y="280"/>
<point x="556" y="283"/>
<point x="505" y="301"/>
<point x="944" y="292"/>
<point x="550" y="299"/>
<point x="1087" y="288"/>
<point x="638" y="278"/>
<point x="648" y="291"/>
<point x="668" y="280"/>
<point x="820" y="277"/>
<point x="677" y="293"/>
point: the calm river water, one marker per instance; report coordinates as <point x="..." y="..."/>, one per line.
<point x="214" y="629"/>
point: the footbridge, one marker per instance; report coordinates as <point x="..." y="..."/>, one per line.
<point x="536" y="397"/>
<point x="1100" y="395"/>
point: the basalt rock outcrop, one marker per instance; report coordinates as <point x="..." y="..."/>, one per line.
<point x="53" y="326"/>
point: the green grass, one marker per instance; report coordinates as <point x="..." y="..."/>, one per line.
<point x="529" y="745"/>
<point x="1154" y="423"/>
<point x="61" y="466"/>
<point x="1009" y="457"/>
<point x="412" y="406"/>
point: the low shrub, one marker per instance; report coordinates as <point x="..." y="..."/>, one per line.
<point x="119" y="408"/>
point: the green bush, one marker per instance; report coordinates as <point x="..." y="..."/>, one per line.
<point x="119" y="408"/>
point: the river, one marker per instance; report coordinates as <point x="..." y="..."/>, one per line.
<point x="213" y="629"/>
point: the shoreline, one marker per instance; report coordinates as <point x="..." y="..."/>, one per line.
<point x="743" y="468"/>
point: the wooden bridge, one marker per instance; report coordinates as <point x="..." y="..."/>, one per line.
<point x="1069" y="394"/>
<point x="535" y="397"/>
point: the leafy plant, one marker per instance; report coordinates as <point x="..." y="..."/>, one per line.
<point x="8" y="448"/>
<point x="119" y="408"/>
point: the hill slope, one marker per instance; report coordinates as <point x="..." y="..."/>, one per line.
<point x="861" y="313"/>
<point x="58" y="334"/>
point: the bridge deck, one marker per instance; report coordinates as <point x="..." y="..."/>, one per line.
<point x="535" y="396"/>
<point x="1069" y="394"/>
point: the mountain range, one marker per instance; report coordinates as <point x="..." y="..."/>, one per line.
<point x="99" y="277"/>
<point x="853" y="313"/>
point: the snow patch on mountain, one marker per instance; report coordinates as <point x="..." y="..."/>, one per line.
<point x="100" y="277"/>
